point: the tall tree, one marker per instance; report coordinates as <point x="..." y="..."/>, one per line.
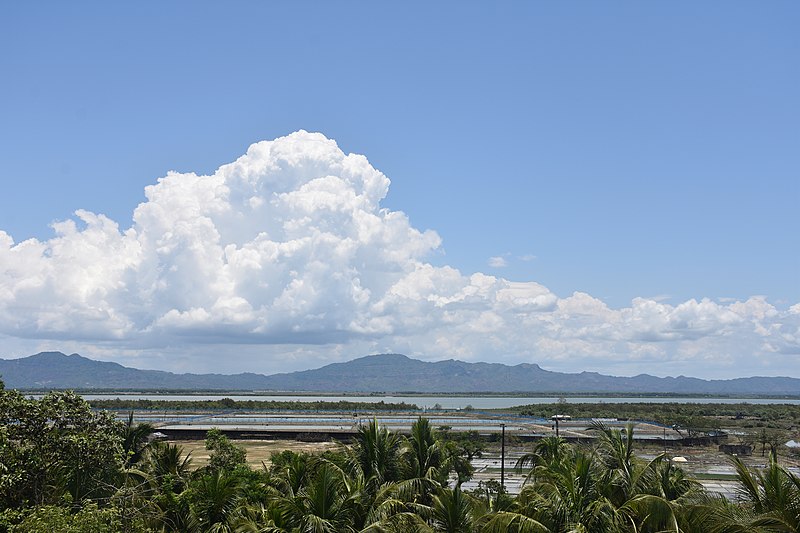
<point x="425" y="456"/>
<point x="56" y="446"/>
<point x="134" y="439"/>
<point x="214" y="499"/>
<point x="225" y="455"/>
<point x="377" y="454"/>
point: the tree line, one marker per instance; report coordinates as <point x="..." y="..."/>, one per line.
<point x="66" y="467"/>
<point x="688" y="415"/>
<point x="229" y="404"/>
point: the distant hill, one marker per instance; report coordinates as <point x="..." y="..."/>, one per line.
<point x="373" y="373"/>
<point x="55" y="370"/>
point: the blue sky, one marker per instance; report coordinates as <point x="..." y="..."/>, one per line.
<point x="622" y="150"/>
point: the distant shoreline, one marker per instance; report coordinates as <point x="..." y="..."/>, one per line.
<point x="393" y="394"/>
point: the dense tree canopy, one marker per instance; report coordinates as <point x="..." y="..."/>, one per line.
<point x="64" y="467"/>
<point x="56" y="449"/>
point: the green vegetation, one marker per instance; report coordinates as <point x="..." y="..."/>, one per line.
<point x="686" y="415"/>
<point x="65" y="467"/>
<point x="224" y="455"/>
<point x="228" y="404"/>
<point x="56" y="450"/>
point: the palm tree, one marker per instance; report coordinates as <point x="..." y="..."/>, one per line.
<point x="376" y="454"/>
<point x="165" y="459"/>
<point x="667" y="499"/>
<point x="450" y="511"/>
<point x="651" y="496"/>
<point x="424" y="454"/>
<point x="262" y="518"/>
<point x="323" y="506"/>
<point x="135" y="439"/>
<point x="214" y="499"/>
<point x="167" y="471"/>
<point x="570" y="494"/>
<point x="292" y="474"/>
<point x="312" y="493"/>
<point x="605" y="489"/>
<point x="716" y="514"/>
<point x="512" y="522"/>
<point x="615" y="452"/>
<point x="772" y="495"/>
<point x="550" y="449"/>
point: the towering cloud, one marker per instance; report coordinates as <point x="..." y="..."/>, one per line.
<point x="290" y="245"/>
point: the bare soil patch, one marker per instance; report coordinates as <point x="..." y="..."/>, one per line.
<point x="258" y="451"/>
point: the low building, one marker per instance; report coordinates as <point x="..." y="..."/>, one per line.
<point x="736" y="449"/>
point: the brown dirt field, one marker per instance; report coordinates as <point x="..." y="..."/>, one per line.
<point x="257" y="450"/>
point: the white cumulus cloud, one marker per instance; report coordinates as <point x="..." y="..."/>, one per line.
<point x="288" y="250"/>
<point x="498" y="261"/>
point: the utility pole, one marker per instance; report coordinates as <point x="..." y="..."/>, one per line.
<point x="557" y="419"/>
<point x="502" y="456"/>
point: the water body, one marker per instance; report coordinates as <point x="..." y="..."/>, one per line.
<point x="445" y="402"/>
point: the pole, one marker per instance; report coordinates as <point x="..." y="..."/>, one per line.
<point x="503" y="456"/>
<point x="556" y="427"/>
<point x="665" y="440"/>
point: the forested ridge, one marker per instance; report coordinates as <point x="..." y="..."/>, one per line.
<point x="67" y="468"/>
<point x="374" y="373"/>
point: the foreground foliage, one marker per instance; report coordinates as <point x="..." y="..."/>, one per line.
<point x="64" y="467"/>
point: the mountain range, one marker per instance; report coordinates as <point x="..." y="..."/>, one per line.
<point x="374" y="373"/>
